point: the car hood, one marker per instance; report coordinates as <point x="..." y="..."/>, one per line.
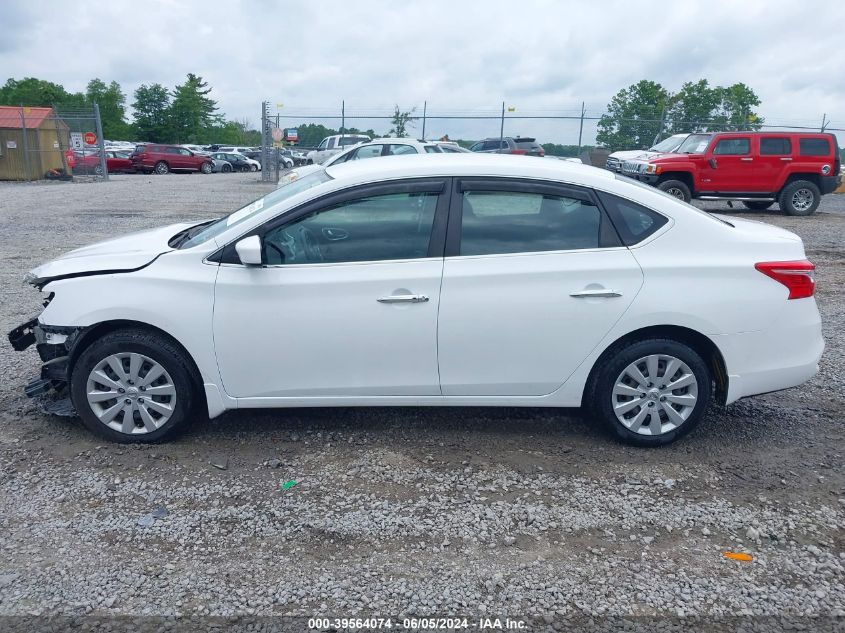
<point x="633" y="153"/>
<point x="120" y="254"/>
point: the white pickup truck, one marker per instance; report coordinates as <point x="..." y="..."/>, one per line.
<point x="667" y="145"/>
<point x="331" y="145"/>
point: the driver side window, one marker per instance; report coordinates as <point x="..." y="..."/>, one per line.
<point x="378" y="228"/>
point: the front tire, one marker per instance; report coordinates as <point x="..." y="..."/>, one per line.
<point x="677" y="189"/>
<point x="800" y="197"/>
<point x="132" y="386"/>
<point x="758" y="206"/>
<point x="651" y="392"/>
<point x="253" y="168"/>
<point x="226" y="169"/>
<point x="162" y="168"/>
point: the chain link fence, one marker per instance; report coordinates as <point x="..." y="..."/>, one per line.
<point x="55" y="143"/>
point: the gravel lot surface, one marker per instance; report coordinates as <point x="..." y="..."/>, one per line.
<point x="481" y="512"/>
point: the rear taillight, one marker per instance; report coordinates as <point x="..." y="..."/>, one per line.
<point x="518" y="151"/>
<point x="797" y="276"/>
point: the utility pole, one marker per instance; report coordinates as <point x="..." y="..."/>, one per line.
<point x="581" y="127"/>
<point x="502" y="129"/>
<point x="425" y="105"/>
<point x="342" y="120"/>
<point x="824" y="123"/>
<point x="660" y="128"/>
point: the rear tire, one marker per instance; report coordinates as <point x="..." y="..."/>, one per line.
<point x="226" y="169"/>
<point x="206" y="168"/>
<point x="253" y="168"/>
<point x="162" y="168"/>
<point x="627" y="406"/>
<point x="758" y="206"/>
<point x="676" y="188"/>
<point x="800" y="197"/>
<point x="135" y="415"/>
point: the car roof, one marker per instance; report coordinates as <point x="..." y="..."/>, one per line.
<point x="469" y="164"/>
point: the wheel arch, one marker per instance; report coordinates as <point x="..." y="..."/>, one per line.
<point x="811" y="177"/>
<point x="702" y="344"/>
<point x="93" y="332"/>
<point x="684" y="176"/>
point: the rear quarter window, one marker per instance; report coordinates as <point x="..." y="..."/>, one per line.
<point x="814" y="147"/>
<point x="633" y="222"/>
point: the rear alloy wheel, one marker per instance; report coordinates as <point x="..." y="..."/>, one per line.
<point x="162" y="168"/>
<point x="761" y="205"/>
<point x="800" y="197"/>
<point x="206" y="168"/>
<point x="652" y="392"/>
<point x="226" y="169"/>
<point x="132" y="386"/>
<point x="676" y="188"/>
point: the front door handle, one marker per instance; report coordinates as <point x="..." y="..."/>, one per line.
<point x="403" y="299"/>
<point x="597" y="292"/>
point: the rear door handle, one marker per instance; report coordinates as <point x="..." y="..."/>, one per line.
<point x="403" y="299"/>
<point x="746" y="160"/>
<point x="785" y="158"/>
<point x="598" y="292"/>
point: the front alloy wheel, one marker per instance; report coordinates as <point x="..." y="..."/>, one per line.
<point x="131" y="393"/>
<point x="133" y="385"/>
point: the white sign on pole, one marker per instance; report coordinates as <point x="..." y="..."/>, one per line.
<point x="11" y="144"/>
<point x="76" y="141"/>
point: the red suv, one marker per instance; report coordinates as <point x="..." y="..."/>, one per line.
<point x="162" y="159"/>
<point x="756" y="168"/>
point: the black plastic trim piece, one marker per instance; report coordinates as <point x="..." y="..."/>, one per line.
<point x="23" y="336"/>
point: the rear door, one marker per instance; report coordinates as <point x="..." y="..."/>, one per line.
<point x="534" y="278"/>
<point x="775" y="157"/>
<point x="734" y="166"/>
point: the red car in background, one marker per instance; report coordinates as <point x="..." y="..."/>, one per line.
<point x="117" y="161"/>
<point x="162" y="159"/>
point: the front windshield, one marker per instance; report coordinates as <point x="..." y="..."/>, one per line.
<point x="666" y="145"/>
<point x="206" y="232"/>
<point x="695" y="144"/>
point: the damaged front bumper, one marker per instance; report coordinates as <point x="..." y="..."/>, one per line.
<point x="54" y="345"/>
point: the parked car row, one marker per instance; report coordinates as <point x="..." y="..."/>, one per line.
<point x="756" y="168"/>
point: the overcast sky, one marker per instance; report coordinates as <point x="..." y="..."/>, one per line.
<point x="462" y="56"/>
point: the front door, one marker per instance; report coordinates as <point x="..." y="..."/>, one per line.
<point x="734" y="170"/>
<point x="346" y="301"/>
<point x="534" y="278"/>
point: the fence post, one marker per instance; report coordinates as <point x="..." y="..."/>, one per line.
<point x="502" y="129"/>
<point x="25" y="144"/>
<point x="425" y="106"/>
<point x="342" y="120"/>
<point x="59" y="140"/>
<point x="101" y="142"/>
<point x="581" y="127"/>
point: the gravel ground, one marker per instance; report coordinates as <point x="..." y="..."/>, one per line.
<point x="399" y="512"/>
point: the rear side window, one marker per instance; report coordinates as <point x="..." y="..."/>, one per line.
<point x="398" y="150"/>
<point x="814" y="147"/>
<point x="775" y="146"/>
<point x="499" y="222"/>
<point x="527" y="144"/>
<point x="732" y="146"/>
<point x="633" y="222"/>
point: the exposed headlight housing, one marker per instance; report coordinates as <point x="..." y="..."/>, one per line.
<point x="653" y="169"/>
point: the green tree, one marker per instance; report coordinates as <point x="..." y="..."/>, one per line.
<point x="30" y="91"/>
<point x="567" y="151"/>
<point x="693" y="107"/>
<point x="152" y="113"/>
<point x="735" y="108"/>
<point x="192" y="111"/>
<point x="400" y="122"/>
<point x="112" y="104"/>
<point x="633" y="117"/>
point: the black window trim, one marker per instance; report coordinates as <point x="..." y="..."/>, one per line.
<point x="608" y="236"/>
<point x="436" y="244"/>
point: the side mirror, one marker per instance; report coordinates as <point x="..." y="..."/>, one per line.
<point x="249" y="250"/>
<point x="712" y="163"/>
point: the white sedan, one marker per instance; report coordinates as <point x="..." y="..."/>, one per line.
<point x="454" y="280"/>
